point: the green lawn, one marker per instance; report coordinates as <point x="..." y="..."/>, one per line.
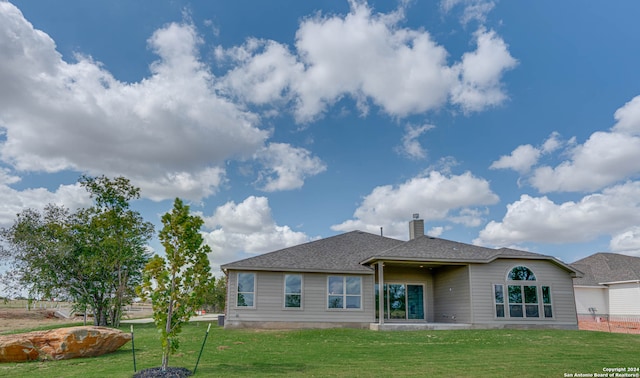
<point x="360" y="353"/>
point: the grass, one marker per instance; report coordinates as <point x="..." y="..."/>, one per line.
<point x="359" y="353"/>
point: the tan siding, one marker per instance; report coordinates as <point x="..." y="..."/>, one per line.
<point x="624" y="299"/>
<point x="451" y="295"/>
<point x="270" y="298"/>
<point x="547" y="274"/>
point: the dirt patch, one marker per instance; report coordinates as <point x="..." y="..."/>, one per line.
<point x="13" y="319"/>
<point x="612" y="326"/>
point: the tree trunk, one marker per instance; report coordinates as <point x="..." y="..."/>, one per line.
<point x="165" y="355"/>
<point x="167" y="349"/>
<point x="99" y="313"/>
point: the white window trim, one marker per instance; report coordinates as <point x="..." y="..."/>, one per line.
<point x="524" y="304"/>
<point x="255" y="290"/>
<point x="344" y="294"/>
<point x="284" y="292"/>
<point x="505" y="295"/>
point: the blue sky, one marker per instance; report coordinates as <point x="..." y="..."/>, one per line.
<point x="502" y="123"/>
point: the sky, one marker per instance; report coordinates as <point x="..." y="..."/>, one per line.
<point x="501" y="123"/>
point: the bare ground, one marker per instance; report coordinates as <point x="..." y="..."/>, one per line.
<point x="611" y="326"/>
<point x="13" y="319"/>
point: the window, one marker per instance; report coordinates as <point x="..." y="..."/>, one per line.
<point x="292" y="290"/>
<point x="344" y="292"/>
<point x="521" y="273"/>
<point x="546" y="301"/>
<point x="498" y="291"/>
<point x="246" y="289"/>
<point x="401" y="301"/>
<point x="522" y="299"/>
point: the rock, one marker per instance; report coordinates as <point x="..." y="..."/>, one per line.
<point x="61" y="343"/>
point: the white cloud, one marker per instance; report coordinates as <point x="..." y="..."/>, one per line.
<point x="521" y="159"/>
<point x="627" y="241"/>
<point x="481" y="72"/>
<point x="538" y="219"/>
<point x="469" y="217"/>
<point x="606" y="158"/>
<point x="364" y="54"/>
<point x="370" y="58"/>
<point x="628" y="118"/>
<point x="526" y="156"/>
<point x="164" y="132"/>
<point x="552" y="143"/>
<point x="411" y="147"/>
<point x="472" y="9"/>
<point x="7" y="178"/>
<point x="192" y="185"/>
<point x="14" y="201"/>
<point x="287" y="166"/>
<point x="246" y="228"/>
<point x="264" y="73"/>
<point x="433" y="196"/>
<point x="435" y="232"/>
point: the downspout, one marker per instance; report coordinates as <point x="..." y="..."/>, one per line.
<point x="226" y="297"/>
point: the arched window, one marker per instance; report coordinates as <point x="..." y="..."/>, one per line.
<point x="528" y="299"/>
<point x="521" y="273"/>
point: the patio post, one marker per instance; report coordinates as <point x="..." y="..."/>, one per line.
<point x="381" y="292"/>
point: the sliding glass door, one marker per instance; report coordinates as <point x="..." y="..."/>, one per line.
<point x="402" y="301"/>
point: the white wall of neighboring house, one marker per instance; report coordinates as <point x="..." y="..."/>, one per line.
<point x="591" y="297"/>
<point x="624" y="298"/>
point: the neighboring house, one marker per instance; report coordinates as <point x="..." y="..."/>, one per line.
<point x="610" y="285"/>
<point x="426" y="283"/>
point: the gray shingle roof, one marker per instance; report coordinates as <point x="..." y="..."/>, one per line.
<point x="426" y="248"/>
<point x="607" y="267"/>
<point x="341" y="253"/>
<point x="352" y="251"/>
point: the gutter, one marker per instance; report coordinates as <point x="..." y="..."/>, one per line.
<point x="619" y="282"/>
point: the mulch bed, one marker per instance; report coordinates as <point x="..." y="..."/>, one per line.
<point x="170" y="372"/>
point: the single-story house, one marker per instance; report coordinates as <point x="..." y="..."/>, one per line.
<point x="610" y="285"/>
<point x="362" y="280"/>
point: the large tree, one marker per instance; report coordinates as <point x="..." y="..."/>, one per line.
<point x="120" y="238"/>
<point x="177" y="285"/>
<point x="94" y="256"/>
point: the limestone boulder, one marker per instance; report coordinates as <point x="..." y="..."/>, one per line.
<point x="61" y="343"/>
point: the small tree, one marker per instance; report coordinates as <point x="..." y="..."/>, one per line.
<point x="178" y="284"/>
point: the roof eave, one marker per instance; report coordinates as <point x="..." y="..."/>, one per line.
<point x="369" y="271"/>
<point x="373" y="260"/>
<point x="575" y="273"/>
